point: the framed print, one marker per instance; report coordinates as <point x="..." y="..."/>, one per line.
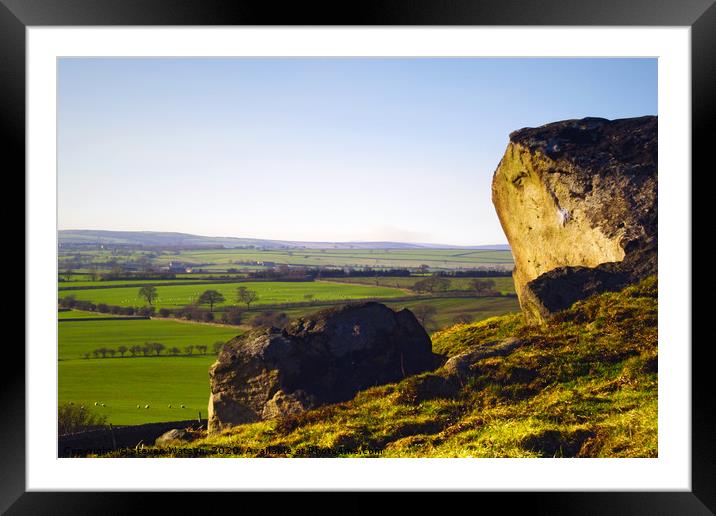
<point x="413" y="249"/>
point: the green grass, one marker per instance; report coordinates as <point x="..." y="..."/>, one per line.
<point x="210" y="275"/>
<point x="503" y="284"/>
<point x="434" y="258"/>
<point x="269" y="293"/>
<point x="80" y="314"/>
<point x="74" y="276"/>
<point x="583" y="385"/>
<point x="218" y="259"/>
<point x="114" y="283"/>
<point x="122" y="384"/>
<point x="478" y="308"/>
<point x="78" y="337"/>
<point x="448" y="308"/>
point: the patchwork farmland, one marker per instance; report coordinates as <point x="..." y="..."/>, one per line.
<point x="136" y="360"/>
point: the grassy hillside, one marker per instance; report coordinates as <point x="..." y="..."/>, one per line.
<point x="583" y="385"/>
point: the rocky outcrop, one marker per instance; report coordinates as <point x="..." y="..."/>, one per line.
<point x="324" y="358"/>
<point x="577" y="200"/>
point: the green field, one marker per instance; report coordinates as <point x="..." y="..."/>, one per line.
<point x="447" y="308"/>
<point x="222" y="259"/>
<point x="118" y="283"/>
<point x="80" y="314"/>
<point x="75" y="276"/>
<point x="78" y="337"/>
<point x="503" y="284"/>
<point x="269" y="293"/>
<point x="123" y="383"/>
<point x="434" y="258"/>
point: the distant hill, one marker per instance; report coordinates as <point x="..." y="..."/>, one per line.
<point x="168" y="239"/>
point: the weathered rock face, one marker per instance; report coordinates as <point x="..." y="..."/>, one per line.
<point x="577" y="200"/>
<point x="325" y="358"/>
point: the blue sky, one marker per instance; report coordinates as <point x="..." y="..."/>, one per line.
<point x="314" y="149"/>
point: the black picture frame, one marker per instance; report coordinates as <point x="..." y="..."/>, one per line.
<point x="699" y="15"/>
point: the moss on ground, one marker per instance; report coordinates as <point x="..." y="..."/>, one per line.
<point x="582" y="385"/>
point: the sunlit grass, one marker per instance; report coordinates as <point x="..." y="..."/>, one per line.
<point x="582" y="385"/>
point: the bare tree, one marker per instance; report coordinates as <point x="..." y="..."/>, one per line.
<point x="232" y="315"/>
<point x="432" y="284"/>
<point x="269" y="319"/>
<point x="425" y="314"/>
<point x="482" y="286"/>
<point x="157" y="347"/>
<point x="245" y="295"/>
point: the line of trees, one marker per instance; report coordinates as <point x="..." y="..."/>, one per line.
<point x="271" y="318"/>
<point x="483" y="286"/>
<point x="153" y="349"/>
<point x="475" y="273"/>
<point x="208" y="297"/>
<point x="437" y="283"/>
<point x="431" y="284"/>
<point x="232" y="315"/>
<point x="71" y="302"/>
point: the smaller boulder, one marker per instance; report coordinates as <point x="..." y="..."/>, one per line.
<point x="459" y="364"/>
<point x="324" y="358"/>
<point x="174" y="437"/>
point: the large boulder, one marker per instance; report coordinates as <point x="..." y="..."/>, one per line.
<point x="325" y="358"/>
<point x="577" y="200"/>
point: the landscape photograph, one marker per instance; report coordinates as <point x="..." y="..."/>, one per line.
<point x="357" y="257"/>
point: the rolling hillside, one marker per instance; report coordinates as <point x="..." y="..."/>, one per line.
<point x="169" y="239"/>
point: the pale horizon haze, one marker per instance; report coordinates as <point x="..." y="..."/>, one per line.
<point x="314" y="149"/>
